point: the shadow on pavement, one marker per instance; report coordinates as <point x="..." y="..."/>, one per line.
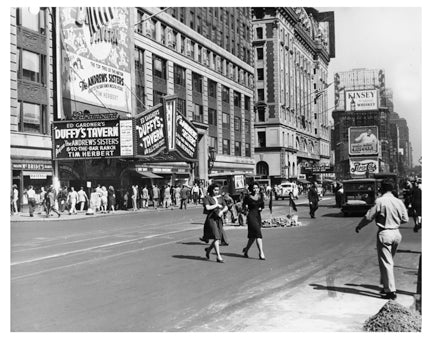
<point x="332" y="289"/>
<point x="192" y="243"/>
<point x="408" y="251"/>
<point x="235" y="255"/>
<point x="190" y="257"/>
<point x="334" y="215"/>
<point x="377" y="288"/>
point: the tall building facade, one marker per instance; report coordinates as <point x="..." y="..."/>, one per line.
<point x="292" y="51"/>
<point x="66" y="65"/>
<point x="360" y="107"/>
<point x="404" y="144"/>
<point x="32" y="103"/>
<point x="206" y="60"/>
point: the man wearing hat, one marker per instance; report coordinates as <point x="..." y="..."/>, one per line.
<point x="389" y="213"/>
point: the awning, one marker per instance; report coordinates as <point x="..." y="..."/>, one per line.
<point x="150" y="175"/>
<point x="303" y="181"/>
<point x="146" y="174"/>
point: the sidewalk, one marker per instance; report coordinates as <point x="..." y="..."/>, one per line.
<point x="24" y="216"/>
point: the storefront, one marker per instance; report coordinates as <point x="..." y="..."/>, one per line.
<point x="38" y="173"/>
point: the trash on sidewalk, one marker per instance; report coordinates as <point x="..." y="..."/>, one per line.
<point x="289" y="221"/>
<point x="394" y="317"/>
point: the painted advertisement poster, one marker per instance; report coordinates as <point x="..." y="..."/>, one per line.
<point x="89" y="139"/>
<point x="361" y="100"/>
<point x="361" y="166"/>
<point x="150" y="127"/>
<point x="95" y="56"/>
<point x="363" y="140"/>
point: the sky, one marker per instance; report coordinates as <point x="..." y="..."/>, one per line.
<point x="384" y="38"/>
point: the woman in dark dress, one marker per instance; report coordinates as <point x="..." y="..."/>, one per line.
<point x="254" y="202"/>
<point x="213" y="226"/>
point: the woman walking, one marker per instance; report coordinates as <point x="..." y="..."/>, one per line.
<point x="104" y="199"/>
<point x="254" y="203"/>
<point x="111" y="199"/>
<point x="213" y="226"/>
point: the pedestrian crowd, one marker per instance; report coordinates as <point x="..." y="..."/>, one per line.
<point x="102" y="200"/>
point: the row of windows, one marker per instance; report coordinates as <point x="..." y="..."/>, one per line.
<point x="226" y="146"/>
<point x="173" y="39"/>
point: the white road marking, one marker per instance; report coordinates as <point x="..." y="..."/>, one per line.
<point x="88" y="249"/>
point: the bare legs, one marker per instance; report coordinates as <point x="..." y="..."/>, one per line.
<point x="215" y="245"/>
<point x="260" y="247"/>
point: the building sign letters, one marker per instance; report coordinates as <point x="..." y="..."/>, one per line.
<point x="360" y="166"/>
<point x="361" y="100"/>
<point x="363" y="140"/>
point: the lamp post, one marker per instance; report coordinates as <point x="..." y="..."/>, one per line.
<point x="211" y="158"/>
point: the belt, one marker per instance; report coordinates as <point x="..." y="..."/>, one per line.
<point x="387" y="229"/>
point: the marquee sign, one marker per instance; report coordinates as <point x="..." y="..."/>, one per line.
<point x="91" y="139"/>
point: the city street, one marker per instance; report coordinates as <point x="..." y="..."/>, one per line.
<point x="147" y="271"/>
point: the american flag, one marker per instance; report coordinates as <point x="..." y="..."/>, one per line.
<point x="98" y="17"/>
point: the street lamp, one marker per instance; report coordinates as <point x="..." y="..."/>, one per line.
<point x="211" y="158"/>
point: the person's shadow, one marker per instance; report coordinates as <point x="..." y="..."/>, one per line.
<point x="332" y="289"/>
<point x="190" y="257"/>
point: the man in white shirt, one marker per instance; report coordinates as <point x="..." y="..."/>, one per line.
<point x="389" y="213"/>
<point x="31" y="197"/>
<point x="366" y="137"/>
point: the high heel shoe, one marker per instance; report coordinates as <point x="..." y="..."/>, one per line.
<point x="207" y="250"/>
<point x="245" y="253"/>
<point x="261" y="257"/>
<point x="220" y="260"/>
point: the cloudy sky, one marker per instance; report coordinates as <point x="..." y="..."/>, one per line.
<point x="388" y="38"/>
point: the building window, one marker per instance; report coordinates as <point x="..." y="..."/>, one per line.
<point x="237" y="98"/>
<point x="260" y="53"/>
<point x="196" y="82"/>
<point x="316" y="131"/>
<point x="225" y="120"/>
<point x="213" y="143"/>
<point x="225" y="94"/>
<point x="31" y="21"/>
<point x="225" y="146"/>
<point x="260" y="92"/>
<point x="261" y="139"/>
<point x="179" y="75"/>
<point x="237" y="124"/>
<point x="32" y="118"/>
<point x="260" y="73"/>
<point x="32" y="66"/>
<point x="159" y="67"/>
<point x="247" y="126"/>
<point x="181" y="106"/>
<point x="237" y="148"/>
<point x="247" y="103"/>
<point x="261" y="114"/>
<point x="259" y="32"/>
<point x="157" y="97"/>
<point x="212" y="117"/>
<point x="247" y="150"/>
<point x="139" y="76"/>
<point x="212" y="88"/>
<point x="198" y="114"/>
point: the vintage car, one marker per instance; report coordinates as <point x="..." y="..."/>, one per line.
<point x="359" y="195"/>
<point x="285" y="190"/>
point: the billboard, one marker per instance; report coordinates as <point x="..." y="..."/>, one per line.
<point x="361" y="100"/>
<point x="363" y="140"/>
<point x="92" y="139"/>
<point x="95" y="56"/>
<point x="363" y="165"/>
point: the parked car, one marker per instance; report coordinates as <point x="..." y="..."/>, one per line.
<point x="286" y="189"/>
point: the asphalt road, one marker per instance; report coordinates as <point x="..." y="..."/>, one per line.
<point x="148" y="272"/>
